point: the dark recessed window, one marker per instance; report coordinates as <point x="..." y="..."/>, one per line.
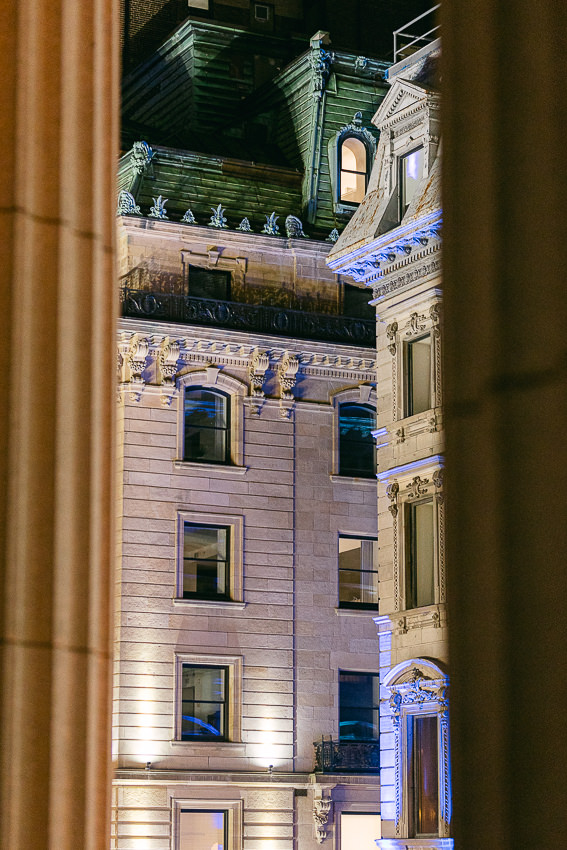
<point x="358" y="576"/>
<point x="206" y="561"/>
<point x="357" y="455"/>
<point x="423" y="782"/>
<point x="262" y="12"/>
<point x="204" y="703"/>
<point x="359" y="706"/>
<point x="209" y="283"/>
<point x="420" y="554"/>
<point x="418" y="375"/>
<point x="202" y="829"/>
<point x="353" y="170"/>
<point x="206" y="426"/>
<point x="411" y="172"/>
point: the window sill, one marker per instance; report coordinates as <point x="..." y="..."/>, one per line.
<point x="227" y="468"/>
<point x="351" y="479"/>
<point x="233" y="604"/>
<point x="357" y="611"/>
<point x="211" y="747"/>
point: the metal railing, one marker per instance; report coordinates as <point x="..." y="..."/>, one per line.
<point x="251" y="318"/>
<point x="346" y="756"/>
<point x="417" y="39"/>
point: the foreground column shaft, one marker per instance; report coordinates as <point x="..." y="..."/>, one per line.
<point x="505" y="264"/>
<point x="58" y="122"/>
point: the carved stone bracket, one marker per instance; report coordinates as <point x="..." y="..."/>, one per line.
<point x="287" y="374"/>
<point x="391" y="332"/>
<point x="392" y="492"/>
<point x="321" y="812"/>
<point x="168" y="358"/>
<point x="436" y="315"/>
<point x="137" y="356"/>
<point x="438" y="482"/>
<point x="259" y="363"/>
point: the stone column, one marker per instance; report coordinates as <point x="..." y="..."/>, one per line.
<point x="505" y="287"/>
<point x="58" y="120"/>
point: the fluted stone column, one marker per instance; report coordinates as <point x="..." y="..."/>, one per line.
<point x="58" y="121"/>
<point x="505" y="287"/>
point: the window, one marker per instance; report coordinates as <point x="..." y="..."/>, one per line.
<point x="209" y="283"/>
<point x="359" y="706"/>
<point x="353" y="170"/>
<point x="206" y="561"/>
<point x="206" y="426"/>
<point x="420" y="555"/>
<point x="357" y="455"/>
<point x="418" y="375"/>
<point x="411" y="171"/>
<point x="201" y="829"/>
<point x="359" y="830"/>
<point x="198" y="4"/>
<point x="423" y="781"/>
<point x="204" y="703"/>
<point x="358" y="576"/>
<point x="262" y="12"/>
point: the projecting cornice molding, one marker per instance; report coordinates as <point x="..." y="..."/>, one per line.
<point x="393" y="251"/>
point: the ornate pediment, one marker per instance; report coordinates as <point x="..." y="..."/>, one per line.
<point x="402" y="97"/>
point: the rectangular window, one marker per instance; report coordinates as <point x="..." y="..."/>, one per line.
<point x="206" y="561"/>
<point x="357" y="449"/>
<point x="359" y="706"/>
<point x="209" y="283"/>
<point x="411" y="172"/>
<point x="418" y="374"/>
<point x="206" y="426"/>
<point x="203" y="829"/>
<point x="420" y="554"/>
<point x="204" y="703"/>
<point x="358" y="574"/>
<point x="423" y="782"/>
<point x="359" y="830"/>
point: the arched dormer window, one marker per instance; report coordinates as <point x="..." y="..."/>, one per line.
<point x="206" y="421"/>
<point x="357" y="455"/>
<point x="353" y="170"/>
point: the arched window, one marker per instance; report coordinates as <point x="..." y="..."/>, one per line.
<point x="353" y="169"/>
<point x="206" y="426"/>
<point x="357" y="455"/>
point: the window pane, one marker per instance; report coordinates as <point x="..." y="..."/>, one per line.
<point x="209" y="283"/>
<point x="206" y="426"/>
<point x="359" y="701"/>
<point x="205" y="561"/>
<point x="203" y="702"/>
<point x="411" y="174"/>
<point x="357" y="455"/>
<point x="423" y="775"/>
<point x="353" y="187"/>
<point x="359" y="831"/>
<point x="353" y="155"/>
<point x="202" y="830"/>
<point x="420" y="542"/>
<point x="358" y="577"/>
<point x="419" y="375"/>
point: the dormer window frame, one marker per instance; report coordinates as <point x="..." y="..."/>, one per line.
<point x="341" y="170"/>
<point x="354" y="130"/>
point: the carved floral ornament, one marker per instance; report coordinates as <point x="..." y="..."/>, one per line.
<point x="419" y="692"/>
<point x="321" y="812"/>
<point x="415" y="488"/>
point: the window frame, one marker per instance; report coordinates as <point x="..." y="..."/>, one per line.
<point x="194" y="271"/>
<point x="349" y="472"/>
<point x="342" y="139"/>
<point x="201" y="739"/>
<point x="236" y="557"/>
<point x="181" y="803"/>
<point x="202" y="596"/>
<point x="233" y="702"/>
<point x="408" y="370"/>
<point x="356" y="606"/>
<point x="410" y="554"/>
<point x="402" y="209"/>
<point x="372" y="708"/>
<point x="226" y="429"/>
<point x="412" y="786"/>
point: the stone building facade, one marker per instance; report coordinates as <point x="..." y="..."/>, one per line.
<point x="392" y="245"/>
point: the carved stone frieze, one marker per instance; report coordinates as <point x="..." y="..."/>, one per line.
<point x="403" y="280"/>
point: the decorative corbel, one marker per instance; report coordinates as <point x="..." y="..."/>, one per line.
<point x="438" y="482"/>
<point x="435" y="313"/>
<point x="391" y="332"/>
<point x="259" y="363"/>
<point x="137" y="355"/>
<point x="392" y="491"/>
<point x="167" y="364"/>
<point x="321" y="812"/>
<point x="287" y="374"/>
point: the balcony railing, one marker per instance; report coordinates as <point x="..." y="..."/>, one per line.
<point x="347" y="756"/>
<point x="252" y="318"/>
<point x="424" y="29"/>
